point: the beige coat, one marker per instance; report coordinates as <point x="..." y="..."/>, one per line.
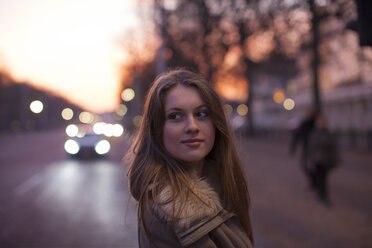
<point x="200" y="225"/>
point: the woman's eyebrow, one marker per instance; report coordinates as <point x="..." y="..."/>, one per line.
<point x="181" y="109"/>
<point x="201" y="106"/>
<point x="174" y="108"/>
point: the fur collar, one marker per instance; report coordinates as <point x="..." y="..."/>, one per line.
<point x="194" y="210"/>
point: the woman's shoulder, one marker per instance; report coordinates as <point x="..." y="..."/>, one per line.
<point x="201" y="219"/>
<point x="169" y="221"/>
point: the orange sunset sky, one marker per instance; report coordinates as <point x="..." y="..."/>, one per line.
<point x="69" y="47"/>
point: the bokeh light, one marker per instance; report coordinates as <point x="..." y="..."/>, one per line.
<point x="127" y="95"/>
<point x="36" y="106"/>
<point x="67" y="114"/>
<point x="137" y="120"/>
<point x="71" y="146"/>
<point x="289" y="104"/>
<point x="228" y="109"/>
<point x="99" y="127"/>
<point x="118" y="130"/>
<point x="291" y="88"/>
<point x="86" y="117"/>
<point x="242" y="109"/>
<point x="121" y="110"/>
<point x="72" y="130"/>
<point x="278" y="96"/>
<point x="102" y="147"/>
<point x="108" y="130"/>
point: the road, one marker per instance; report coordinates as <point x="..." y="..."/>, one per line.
<point x="286" y="213"/>
<point x="50" y="201"/>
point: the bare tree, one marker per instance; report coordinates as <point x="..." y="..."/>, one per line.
<point x="237" y="40"/>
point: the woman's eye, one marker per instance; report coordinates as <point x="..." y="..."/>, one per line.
<point x="174" y="116"/>
<point x="202" y="113"/>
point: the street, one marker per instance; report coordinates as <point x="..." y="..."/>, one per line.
<point x="286" y="212"/>
<point x="48" y="200"/>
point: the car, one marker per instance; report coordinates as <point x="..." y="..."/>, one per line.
<point x="83" y="142"/>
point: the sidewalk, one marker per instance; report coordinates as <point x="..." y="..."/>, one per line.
<point x="285" y="212"/>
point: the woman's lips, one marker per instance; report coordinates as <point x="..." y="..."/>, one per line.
<point x="192" y="142"/>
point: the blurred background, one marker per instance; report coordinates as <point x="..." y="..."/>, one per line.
<point x="74" y="75"/>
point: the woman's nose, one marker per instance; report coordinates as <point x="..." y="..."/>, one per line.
<point x="192" y="125"/>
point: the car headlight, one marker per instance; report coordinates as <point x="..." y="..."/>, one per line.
<point x="102" y="147"/>
<point x="71" y="146"/>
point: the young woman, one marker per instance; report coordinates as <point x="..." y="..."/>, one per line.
<point x="185" y="171"/>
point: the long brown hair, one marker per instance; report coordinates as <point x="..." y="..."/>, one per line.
<point x="153" y="167"/>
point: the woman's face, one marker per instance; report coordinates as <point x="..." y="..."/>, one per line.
<point x="188" y="132"/>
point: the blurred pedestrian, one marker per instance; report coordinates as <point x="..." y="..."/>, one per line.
<point x="301" y="137"/>
<point x="323" y="157"/>
<point x="185" y="172"/>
